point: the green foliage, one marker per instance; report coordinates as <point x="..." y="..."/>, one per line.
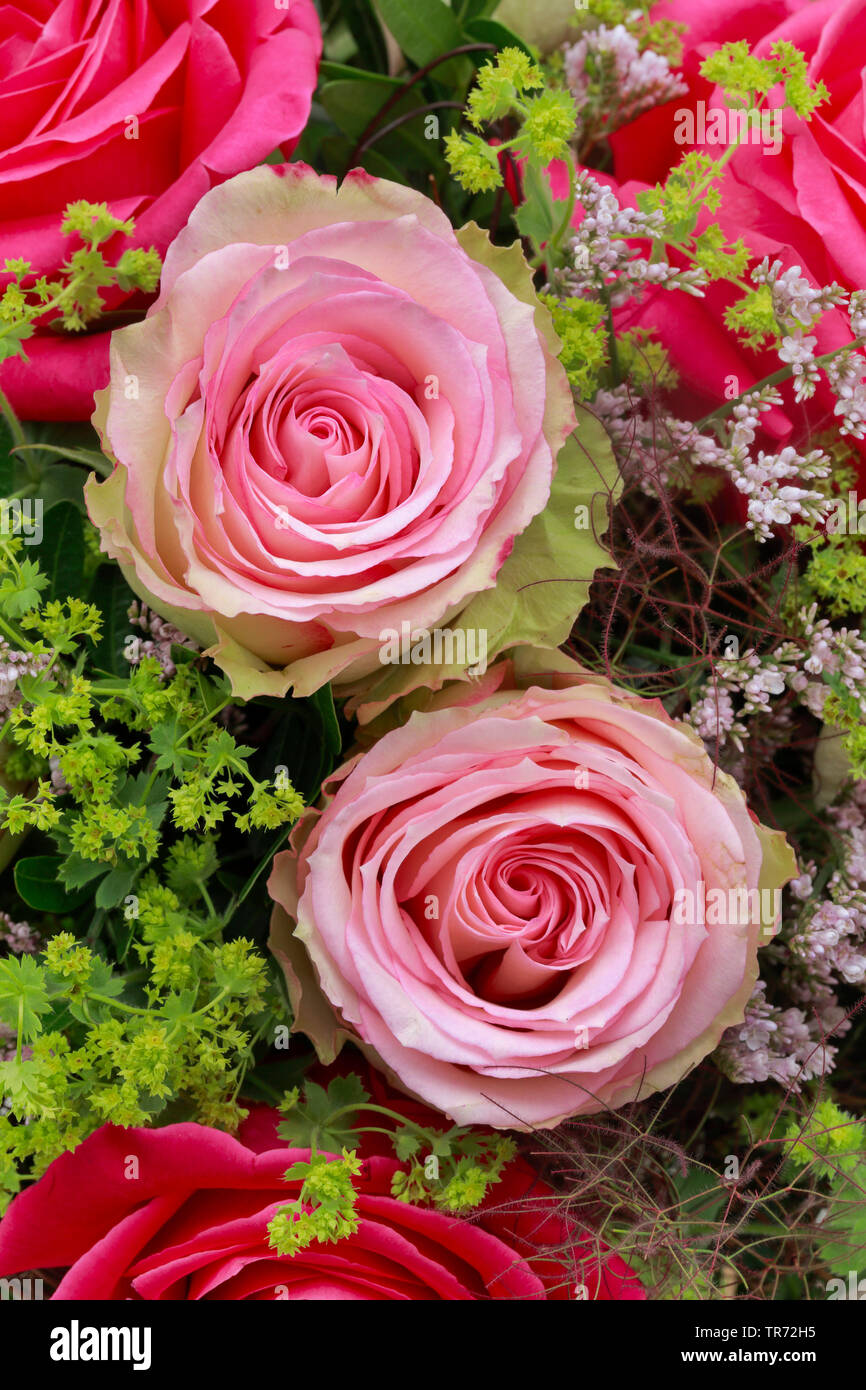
<point x="74" y="299"/>
<point x="844" y="711"/>
<point x="424" y="32"/>
<point x="134" y="752"/>
<point x="548" y="125"/>
<point x="395" y="118"/>
<point x="721" y="259"/>
<point x="745" y="77"/>
<point x="145" y="1004"/>
<point x="663" y="36"/>
<point x="324" y="1210"/>
<point x="644" y="361"/>
<point x="837" y="575"/>
<point x="535" y="121"/>
<point x="473" y="162"/>
<point x="23" y="995"/>
<point x="322" y="1119"/>
<point x="753" y="317"/>
<point x="832" y="1144"/>
<point x="581" y="324"/>
<point x="454" y="1169"/>
<point x="87" y="1055"/>
<point x="832" y="1141"/>
<point x="694" y="186"/>
<point x="513" y="87"/>
<point x="689" y="188"/>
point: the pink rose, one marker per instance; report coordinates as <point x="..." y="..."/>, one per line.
<point x="336" y="419"/>
<point x="804" y="204"/>
<point x="145" y="106"/>
<point x="191" y="1223"/>
<point x="504" y="902"/>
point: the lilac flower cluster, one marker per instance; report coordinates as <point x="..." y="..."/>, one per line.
<point x="665" y="451"/>
<point x="602" y="258"/>
<point x="821" y="946"/>
<point x="14" y="665"/>
<point x="772" y="484"/>
<point x="828" y="936"/>
<point x="160" y="637"/>
<point x="798" y="305"/>
<point x="840" y="652"/>
<point x="613" y="81"/>
<point x="751" y="680"/>
<point x="857" y="313"/>
<point x="17" y="937"/>
<point x="778" y="487"/>
<point x="773" y="1044"/>
<point x="845" y="374"/>
<point x="744" y="686"/>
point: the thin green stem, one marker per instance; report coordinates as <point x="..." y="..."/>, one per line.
<point x="775" y="379"/>
<point x="377" y="1110"/>
<point x="257" y="872"/>
<point x="15" y="427"/>
<point x="20" y="641"/>
<point x="208" y="901"/>
<point x="611" y="335"/>
<point x="211" y="714"/>
<point x="212" y="1003"/>
<point x="116" y="1004"/>
<point x="265" y="1086"/>
<point x="565" y="222"/>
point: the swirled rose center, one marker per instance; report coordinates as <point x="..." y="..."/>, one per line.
<point x="517" y="913"/>
<point x="339" y="435"/>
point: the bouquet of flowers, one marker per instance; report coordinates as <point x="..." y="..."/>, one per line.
<point x="432" y="665"/>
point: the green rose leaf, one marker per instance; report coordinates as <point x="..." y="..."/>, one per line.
<point x="61" y="553"/>
<point x="38" y="882"/>
<point x="491" y="31"/>
<point x="424" y="29"/>
<point x="316" y="1122"/>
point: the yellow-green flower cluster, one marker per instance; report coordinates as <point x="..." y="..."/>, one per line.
<point x="743" y="76"/>
<point x="97" y="1058"/>
<point x="325" y="1209"/>
<point x="512" y="86"/>
<point x="74" y="299"/>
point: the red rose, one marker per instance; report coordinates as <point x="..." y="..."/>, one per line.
<point x="182" y="1213"/>
<point x="802" y="202"/>
<point x="146" y="105"/>
<point x="646" y="149"/>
